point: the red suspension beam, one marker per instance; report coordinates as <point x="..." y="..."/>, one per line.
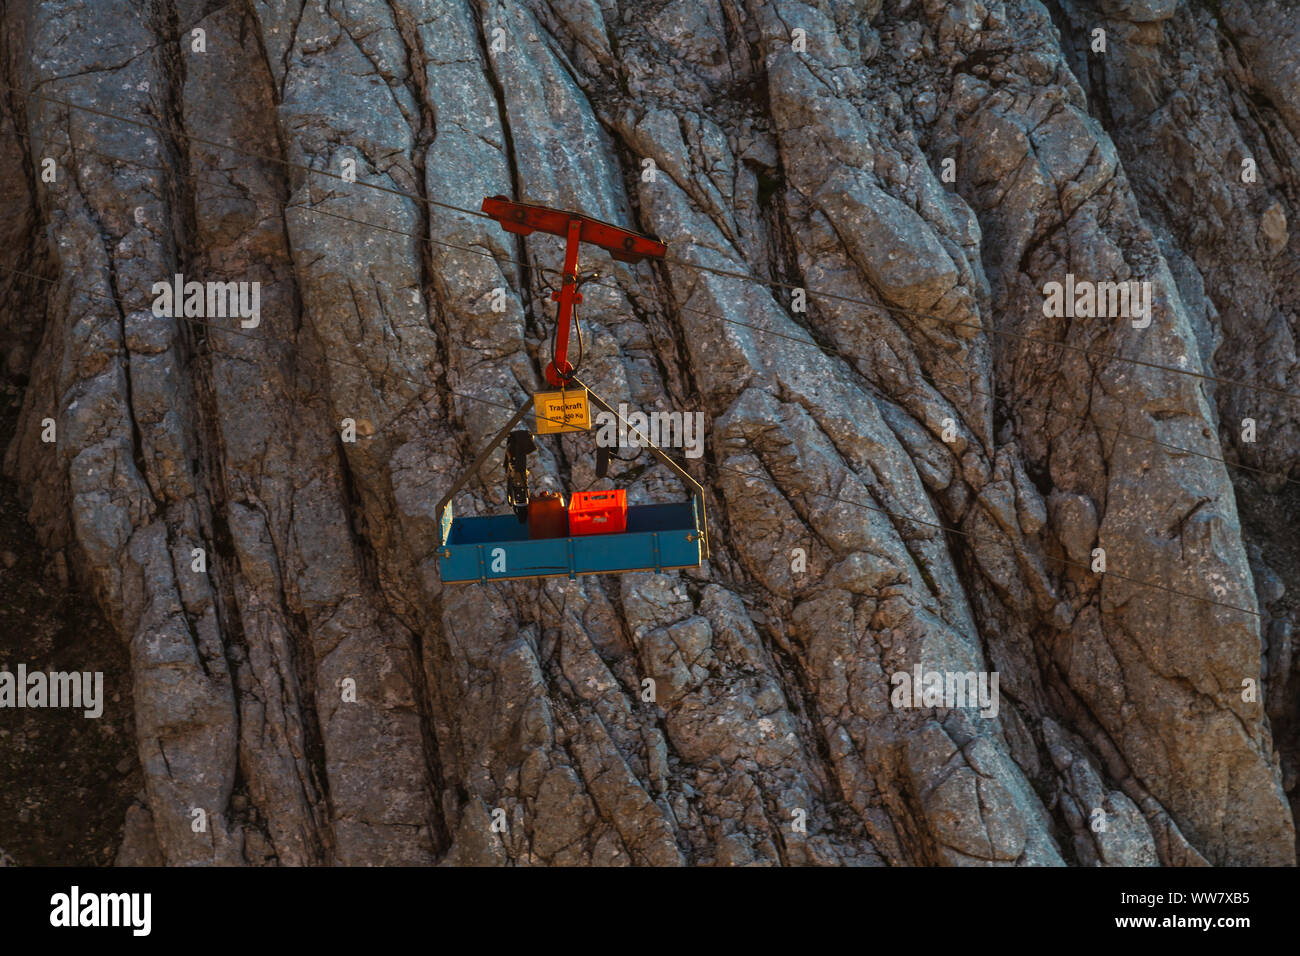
<point x="624" y="245"/>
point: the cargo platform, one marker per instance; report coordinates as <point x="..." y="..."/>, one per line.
<point x="497" y="547"/>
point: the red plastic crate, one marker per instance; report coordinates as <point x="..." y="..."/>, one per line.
<point x="598" y="512"/>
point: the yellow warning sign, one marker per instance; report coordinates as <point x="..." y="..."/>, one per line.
<point x="563" y="411"/>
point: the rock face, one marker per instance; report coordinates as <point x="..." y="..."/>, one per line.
<point x="920" y="482"/>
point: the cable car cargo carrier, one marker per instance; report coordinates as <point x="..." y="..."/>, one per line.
<point x="604" y="533"/>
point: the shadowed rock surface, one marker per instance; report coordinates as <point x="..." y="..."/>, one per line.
<point x="1127" y="732"/>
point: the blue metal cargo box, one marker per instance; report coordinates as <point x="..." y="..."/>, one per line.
<point x="497" y="548"/>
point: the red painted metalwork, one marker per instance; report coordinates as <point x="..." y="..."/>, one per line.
<point x="624" y="245"/>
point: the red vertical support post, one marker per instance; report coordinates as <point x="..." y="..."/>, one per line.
<point x="567" y="295"/>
